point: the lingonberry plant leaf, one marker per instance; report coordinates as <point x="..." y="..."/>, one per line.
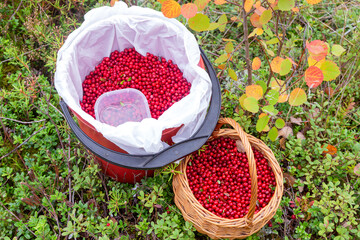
<point x="280" y="123"/>
<point x="189" y="10"/>
<point x="317" y="49"/>
<point x="265" y="16"/>
<point x="251" y="104"/>
<point x="256" y="63"/>
<point x="337" y="50"/>
<point x="254" y="91"/>
<point x="297" y="97"/>
<point x="248" y="5"/>
<point x="262" y="122"/>
<point x="313" y="77"/>
<point x="199" y="23"/>
<point x="330" y="70"/>
<point x="286" y="5"/>
<point x="232" y="74"/>
<point x="171" y="9"/>
<point x="273" y="134"/>
<point x="275" y="64"/>
<point x="222" y="22"/>
<point x="272" y="97"/>
<point x="201" y="4"/>
<point x="285" y="67"/>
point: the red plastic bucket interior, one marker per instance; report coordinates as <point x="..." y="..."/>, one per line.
<point x="117" y="173"/>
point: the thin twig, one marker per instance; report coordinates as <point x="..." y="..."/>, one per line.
<point x="14" y="120"/>
<point x="17" y="218"/>
<point x="17" y="147"/>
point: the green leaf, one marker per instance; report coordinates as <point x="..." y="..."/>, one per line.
<point x="251" y="104"/>
<point x="232" y="74"/>
<point x="279" y="123"/>
<point x="286" y="5"/>
<point x="272" y="41"/>
<point x="268" y="31"/>
<point x="337" y="50"/>
<point x="273" y="134"/>
<point x="285" y="67"/>
<point x="270" y="109"/>
<point x="199" y="23"/>
<point x="330" y="70"/>
<point x="262" y="84"/>
<point x="272" y="96"/>
<point x="222" y="22"/>
<point x="213" y="26"/>
<point x="221" y="58"/>
<point x="229" y="47"/>
<point x="265" y="16"/>
<point x="262" y="122"/>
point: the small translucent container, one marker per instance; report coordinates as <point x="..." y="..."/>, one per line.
<point x="120" y="106"/>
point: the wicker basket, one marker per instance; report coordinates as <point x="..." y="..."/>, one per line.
<point x="216" y="227"/>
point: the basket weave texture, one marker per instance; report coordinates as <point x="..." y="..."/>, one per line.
<point x="217" y="227"/>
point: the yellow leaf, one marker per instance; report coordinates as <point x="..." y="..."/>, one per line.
<point x="241" y="101"/>
<point x="312" y="2"/>
<point x="228" y="40"/>
<point x="283" y="98"/>
<point x="219" y="2"/>
<point x="276" y="64"/>
<point x="222" y="66"/>
<point x="277" y="85"/>
<point x="257" y="4"/>
<point x="256" y="63"/>
<point x="295" y="9"/>
<point x="313" y="62"/>
<point x="262" y="115"/>
<point x="248" y="5"/>
<point x="259" y="31"/>
<point x="171" y="9"/>
<point x="254" y="91"/>
<point x="201" y="4"/>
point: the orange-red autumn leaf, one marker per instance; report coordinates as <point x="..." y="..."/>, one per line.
<point x="219" y="2"/>
<point x="112" y="2"/>
<point x="189" y="10"/>
<point x="171" y="9"/>
<point x="283" y="98"/>
<point x="248" y="5"/>
<point x="295" y="9"/>
<point x="313" y="77"/>
<point x="254" y="91"/>
<point x="312" y="2"/>
<point x="330" y="150"/>
<point x="317" y="49"/>
<point x="256" y="63"/>
<point x="257" y="4"/>
<point x="276" y="64"/>
<point x="255" y="20"/>
<point x="222" y="66"/>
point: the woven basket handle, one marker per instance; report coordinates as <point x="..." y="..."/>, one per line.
<point x="251" y="159"/>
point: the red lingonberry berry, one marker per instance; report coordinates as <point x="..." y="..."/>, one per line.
<point x="219" y="178"/>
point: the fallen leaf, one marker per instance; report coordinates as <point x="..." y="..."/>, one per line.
<point x="315" y="113"/>
<point x="300" y="135"/>
<point x="357" y="170"/>
<point x="289" y="179"/>
<point x="240" y="146"/>
<point x="283" y="143"/>
<point x="329" y="91"/>
<point x="330" y="150"/>
<point x="295" y="120"/>
<point x="285" y="132"/>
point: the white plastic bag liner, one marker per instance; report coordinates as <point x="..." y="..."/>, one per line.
<point x="107" y="29"/>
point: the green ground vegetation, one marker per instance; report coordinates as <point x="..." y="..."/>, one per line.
<point x="51" y="188"/>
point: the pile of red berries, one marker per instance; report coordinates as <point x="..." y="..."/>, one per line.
<point x="219" y="178"/>
<point x="159" y="80"/>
